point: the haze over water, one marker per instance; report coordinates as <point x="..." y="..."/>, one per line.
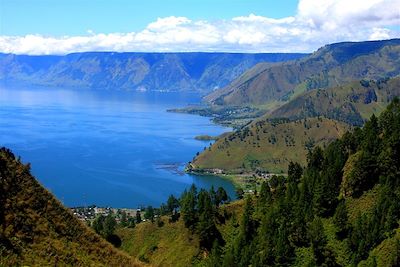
<point x="119" y="149"/>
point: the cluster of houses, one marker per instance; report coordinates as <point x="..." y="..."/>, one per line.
<point x="91" y="212"/>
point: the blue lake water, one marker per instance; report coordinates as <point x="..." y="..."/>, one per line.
<point x="119" y="149"/>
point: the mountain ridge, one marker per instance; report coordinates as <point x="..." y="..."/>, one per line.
<point x="331" y="65"/>
<point x="196" y="71"/>
<point x="352" y="103"/>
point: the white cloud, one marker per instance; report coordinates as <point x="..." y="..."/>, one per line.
<point x="315" y="24"/>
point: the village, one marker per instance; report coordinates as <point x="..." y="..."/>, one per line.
<point x="89" y="213"/>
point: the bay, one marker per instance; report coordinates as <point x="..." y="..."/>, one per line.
<point x="108" y="148"/>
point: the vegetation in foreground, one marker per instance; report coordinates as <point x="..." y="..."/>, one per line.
<point x="36" y="230"/>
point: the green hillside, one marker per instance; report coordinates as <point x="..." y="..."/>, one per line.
<point x="352" y="103"/>
<point x="340" y="209"/>
<point x="169" y="245"/>
<point x="268" y="145"/>
<point x="36" y="230"/>
<point x="332" y="65"/>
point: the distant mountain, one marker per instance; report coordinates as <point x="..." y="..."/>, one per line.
<point x="352" y="103"/>
<point x="36" y="230"/>
<point x="201" y="72"/>
<point x="332" y="65"/>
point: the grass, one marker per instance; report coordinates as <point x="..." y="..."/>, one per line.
<point x="169" y="245"/>
<point x="268" y="146"/>
<point x="172" y="244"/>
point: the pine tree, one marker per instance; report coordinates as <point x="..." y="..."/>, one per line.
<point x="341" y="219"/>
<point x="188" y="207"/>
<point x="172" y="203"/>
<point x="109" y="225"/>
<point x="208" y="232"/>
<point x="318" y="240"/>
<point x="265" y="195"/>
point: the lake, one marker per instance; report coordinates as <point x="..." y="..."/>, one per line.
<point x="119" y="149"/>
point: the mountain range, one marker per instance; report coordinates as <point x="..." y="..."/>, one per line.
<point x="200" y="72"/>
<point x="331" y="65"/>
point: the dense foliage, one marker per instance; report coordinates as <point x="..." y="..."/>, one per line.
<point x="290" y="221"/>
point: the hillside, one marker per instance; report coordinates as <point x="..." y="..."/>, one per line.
<point x="36" y="230"/>
<point x="160" y="245"/>
<point x="352" y="103"/>
<point x="340" y="209"/>
<point x="268" y="145"/>
<point x="201" y="72"/>
<point x="332" y="65"/>
<point x="173" y="244"/>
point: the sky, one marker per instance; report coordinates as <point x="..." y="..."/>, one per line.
<point x="39" y="27"/>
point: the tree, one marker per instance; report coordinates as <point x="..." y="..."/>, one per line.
<point x="172" y="203"/>
<point x="371" y="140"/>
<point x="214" y="259"/>
<point x="149" y="214"/>
<point x="315" y="159"/>
<point x="341" y="219"/>
<point x="359" y="174"/>
<point x="265" y="195"/>
<point x="239" y="193"/>
<point x="208" y="232"/>
<point x="98" y="225"/>
<point x="131" y="222"/>
<point x="188" y="207"/>
<point x="109" y="225"/>
<point x="124" y="220"/>
<point x="294" y="172"/>
<point x="138" y="217"/>
<point x="213" y="196"/>
<point x="247" y="225"/>
<point x="318" y="240"/>
<point x="221" y="196"/>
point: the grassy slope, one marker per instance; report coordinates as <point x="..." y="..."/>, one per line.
<point x="36" y="230"/>
<point x="268" y="146"/>
<point x="172" y="244"/>
<point x="352" y="103"/>
<point x="169" y="245"/>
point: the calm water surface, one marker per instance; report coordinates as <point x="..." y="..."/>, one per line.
<point x="119" y="149"/>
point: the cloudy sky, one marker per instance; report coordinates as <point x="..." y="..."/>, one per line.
<point x="65" y="26"/>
